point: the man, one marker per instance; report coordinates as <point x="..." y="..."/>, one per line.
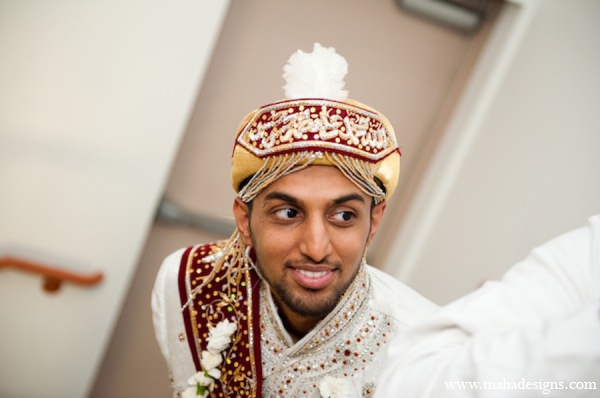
<point x="287" y="307"/>
<point x="534" y="333"/>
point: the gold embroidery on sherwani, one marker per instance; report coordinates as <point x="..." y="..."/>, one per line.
<point x="216" y="292"/>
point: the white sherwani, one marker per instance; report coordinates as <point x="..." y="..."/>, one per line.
<point x="534" y="333"/>
<point x="343" y="353"/>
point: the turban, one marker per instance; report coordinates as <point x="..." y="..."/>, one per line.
<point x="315" y="125"/>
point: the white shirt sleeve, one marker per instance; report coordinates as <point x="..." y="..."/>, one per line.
<point x="535" y="332"/>
<point x="168" y="323"/>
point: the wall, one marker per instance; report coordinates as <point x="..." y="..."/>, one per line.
<point x="94" y="99"/>
<point x="519" y="161"/>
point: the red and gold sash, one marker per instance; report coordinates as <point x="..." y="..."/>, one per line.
<point x="211" y="293"/>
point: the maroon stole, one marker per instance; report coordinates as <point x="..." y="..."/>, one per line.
<point x="221" y="299"/>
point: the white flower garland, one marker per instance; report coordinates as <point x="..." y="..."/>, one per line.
<point x="219" y="338"/>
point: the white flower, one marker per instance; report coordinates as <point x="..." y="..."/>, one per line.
<point x="214" y="373"/>
<point x="200" y="383"/>
<point x="202" y="379"/>
<point x="332" y="387"/>
<point x="220" y="336"/>
<point x="209" y="361"/>
<point x="191" y="392"/>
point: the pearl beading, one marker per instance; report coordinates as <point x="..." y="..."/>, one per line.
<point x="298" y="125"/>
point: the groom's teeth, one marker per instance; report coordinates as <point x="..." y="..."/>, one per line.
<point x="311" y="274"/>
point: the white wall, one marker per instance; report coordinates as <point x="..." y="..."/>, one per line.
<point x="94" y="97"/>
<point x="520" y="161"/>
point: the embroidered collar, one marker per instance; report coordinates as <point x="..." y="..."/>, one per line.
<point x="339" y="348"/>
<point x="325" y="330"/>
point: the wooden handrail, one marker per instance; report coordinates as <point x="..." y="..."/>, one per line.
<point x="52" y="276"/>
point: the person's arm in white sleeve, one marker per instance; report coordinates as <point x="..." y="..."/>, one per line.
<point x="166" y="316"/>
<point x="538" y="325"/>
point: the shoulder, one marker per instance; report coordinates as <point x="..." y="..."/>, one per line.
<point x="396" y="299"/>
<point x="172" y="265"/>
<point x="170" y="280"/>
